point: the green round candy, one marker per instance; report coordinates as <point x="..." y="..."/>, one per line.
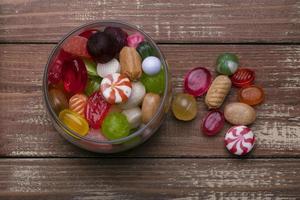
<point x="227" y="63"/>
<point x="92" y="85"/>
<point x="91" y="67"/>
<point x="115" y="126"/>
<point x="155" y="84"/>
<point x="145" y="50"/>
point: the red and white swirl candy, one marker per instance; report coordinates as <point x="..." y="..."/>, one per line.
<point x="116" y="88"/>
<point x="239" y="140"/>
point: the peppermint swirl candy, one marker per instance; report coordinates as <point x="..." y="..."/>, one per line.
<point x="116" y="88"/>
<point x="239" y="140"/>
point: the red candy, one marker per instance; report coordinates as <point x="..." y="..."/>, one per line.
<point x="87" y="33"/>
<point x="213" y="123"/>
<point x="96" y="109"/>
<point x="76" y="45"/>
<point x="243" y="77"/>
<point x="74" y="76"/>
<point x="197" y="81"/>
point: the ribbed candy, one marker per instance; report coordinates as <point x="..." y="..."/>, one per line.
<point x="116" y="88"/>
<point x="77" y="103"/>
<point x="111" y="67"/>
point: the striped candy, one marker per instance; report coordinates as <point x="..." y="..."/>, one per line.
<point x="239" y="140"/>
<point x="116" y="88"/>
<point x="77" y="103"/>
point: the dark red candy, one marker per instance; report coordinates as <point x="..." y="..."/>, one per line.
<point x="102" y="47"/>
<point x="96" y="110"/>
<point x="243" y="77"/>
<point x="87" y="33"/>
<point x="77" y="46"/>
<point x="119" y="35"/>
<point x="74" y="76"/>
<point x="197" y="81"/>
<point x="213" y="123"/>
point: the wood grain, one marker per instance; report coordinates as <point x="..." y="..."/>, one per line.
<point x="166" y="21"/>
<point x="26" y="129"/>
<point x="149" y="179"/>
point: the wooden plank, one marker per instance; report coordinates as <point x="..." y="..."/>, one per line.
<point x="167" y="21"/>
<point x="149" y="179"/>
<point x="26" y="129"/>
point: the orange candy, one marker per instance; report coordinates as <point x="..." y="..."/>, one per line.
<point x="251" y="95"/>
<point x="77" y="103"/>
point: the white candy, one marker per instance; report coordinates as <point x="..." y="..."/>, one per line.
<point x="134" y="116"/>
<point x="151" y="65"/>
<point x="138" y="92"/>
<point x="111" y="67"/>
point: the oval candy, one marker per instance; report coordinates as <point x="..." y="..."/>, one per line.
<point x="243" y="77"/>
<point x="184" y="107"/>
<point x="134" y="117"/>
<point x="77" y="103"/>
<point x="213" y="123"/>
<point x="74" y="122"/>
<point x="138" y="92"/>
<point x="151" y="65"/>
<point x="58" y="100"/>
<point x="111" y="67"/>
<point x="251" y="95"/>
<point x="150" y="105"/>
<point x="131" y="64"/>
<point x="239" y="113"/>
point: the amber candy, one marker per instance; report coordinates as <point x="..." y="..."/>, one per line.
<point x="251" y="95"/>
<point x="184" y="107"/>
<point x="58" y="100"/>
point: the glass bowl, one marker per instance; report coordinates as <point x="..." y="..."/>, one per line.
<point x="137" y="137"/>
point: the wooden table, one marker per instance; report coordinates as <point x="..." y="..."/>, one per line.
<point x="178" y="162"/>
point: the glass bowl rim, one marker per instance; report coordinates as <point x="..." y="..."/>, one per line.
<point x="114" y="23"/>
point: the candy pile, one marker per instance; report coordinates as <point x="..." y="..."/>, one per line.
<point x="239" y="139"/>
<point x="108" y="80"/>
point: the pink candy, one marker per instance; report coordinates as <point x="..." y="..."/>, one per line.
<point x="135" y="39"/>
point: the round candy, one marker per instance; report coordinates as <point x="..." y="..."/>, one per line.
<point x="145" y="50"/>
<point x="74" y="121"/>
<point x="155" y="83"/>
<point x="184" y="107"/>
<point x="58" y="100"/>
<point x="115" y="126"/>
<point x="135" y="39"/>
<point x="197" y="81"/>
<point x="213" y="123"/>
<point x="239" y="140"/>
<point x="251" y="95"/>
<point x="138" y="92"/>
<point x="116" y="88"/>
<point x="74" y="76"/>
<point x="90" y="67"/>
<point x="151" y="65"/>
<point x="134" y="117"/>
<point x="92" y="85"/>
<point x="96" y="109"/>
<point x="227" y="63"/>
<point x="77" y="103"/>
<point x="111" y="67"/>
<point x="76" y="45"/>
<point x="119" y="36"/>
<point x="243" y="77"/>
<point x="88" y="33"/>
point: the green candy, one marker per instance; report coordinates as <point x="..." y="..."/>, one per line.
<point x="227" y="63"/>
<point x="115" y="126"/>
<point x="155" y="84"/>
<point x="91" y="67"/>
<point x="145" y="50"/>
<point x="92" y="85"/>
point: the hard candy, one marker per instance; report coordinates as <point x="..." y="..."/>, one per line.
<point x="92" y="86"/>
<point x="91" y="67"/>
<point x="77" y="103"/>
<point x="138" y="92"/>
<point x="227" y="63"/>
<point x="135" y="39"/>
<point x="115" y="126"/>
<point x="251" y="95"/>
<point x="145" y="50"/>
<point x="239" y="113"/>
<point x="58" y="100"/>
<point x="131" y="64"/>
<point x="119" y="36"/>
<point x="155" y="83"/>
<point x="76" y="45"/>
<point x="150" y="106"/>
<point x="151" y="65"/>
<point x="184" y="107"/>
<point x="74" y="122"/>
<point x="111" y="67"/>
<point x="134" y="117"/>
<point x="115" y="88"/>
<point x="213" y="123"/>
<point x="239" y="140"/>
<point x="243" y="77"/>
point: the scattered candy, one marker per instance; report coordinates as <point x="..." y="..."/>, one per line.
<point x="227" y="63"/>
<point x="92" y="86"/>
<point x="91" y="67"/>
<point x="96" y="110"/>
<point x="74" y="76"/>
<point x="58" y="100"/>
<point x="239" y="140"/>
<point x="88" y="33"/>
<point x="151" y="65"/>
<point x="138" y="92"/>
<point x="115" y="88"/>
<point x="135" y="39"/>
<point x="76" y="45"/>
<point x="145" y="50"/>
<point x="184" y="107"/>
<point x="243" y="77"/>
<point x="115" y="126"/>
<point x="111" y="67"/>
<point x="251" y="95"/>
<point x="134" y="117"/>
<point x="213" y="123"/>
<point x="239" y="113"/>
<point x="217" y="92"/>
<point x="131" y="64"/>
<point x="77" y="103"/>
<point x="197" y="81"/>
<point x="150" y="105"/>
<point x="102" y="47"/>
<point x="119" y="36"/>
<point x="154" y="84"/>
<point x="74" y="122"/>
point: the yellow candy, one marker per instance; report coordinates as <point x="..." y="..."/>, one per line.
<point x="74" y="122"/>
